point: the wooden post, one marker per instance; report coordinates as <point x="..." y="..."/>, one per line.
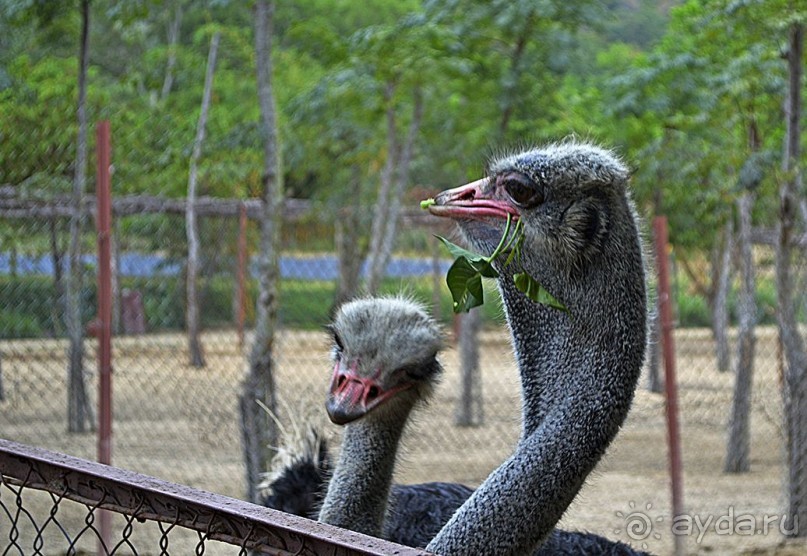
<point x="470" y="409"/>
<point x="670" y="386"/>
<point x="242" y="274"/>
<point x="104" y="320"/>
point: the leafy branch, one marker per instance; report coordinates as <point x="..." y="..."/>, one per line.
<point x="464" y="278"/>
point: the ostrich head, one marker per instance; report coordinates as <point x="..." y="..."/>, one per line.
<point x="571" y="198"/>
<point x="581" y="242"/>
<point x="385" y="358"/>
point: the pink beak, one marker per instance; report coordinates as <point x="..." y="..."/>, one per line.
<point x="470" y="201"/>
<point x="351" y="396"/>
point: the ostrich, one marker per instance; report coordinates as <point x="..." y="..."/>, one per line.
<point x="579" y="368"/>
<point x="385" y="363"/>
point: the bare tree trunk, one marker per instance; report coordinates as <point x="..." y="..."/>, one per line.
<point x="739" y="446"/>
<point x="347" y="231"/>
<point x="470" y="411"/>
<point x="654" y="381"/>
<point x="57" y="256"/>
<point x="191" y="227"/>
<point x="2" y="390"/>
<point x="259" y="431"/>
<point x="795" y="390"/>
<point x="240" y="292"/>
<point x="173" y="41"/>
<point x="349" y="257"/>
<point x="721" y="273"/>
<point x="381" y="252"/>
<point x="437" y="280"/>
<point x="375" y="270"/>
<point x="79" y="411"/>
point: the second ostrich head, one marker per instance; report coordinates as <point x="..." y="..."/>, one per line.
<point x="385" y="362"/>
<point x="385" y="358"/>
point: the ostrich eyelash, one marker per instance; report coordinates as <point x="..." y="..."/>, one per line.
<point x="337" y="341"/>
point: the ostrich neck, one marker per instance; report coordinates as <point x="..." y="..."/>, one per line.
<point x="564" y="359"/>
<point x="578" y="372"/>
<point x="358" y="492"/>
<point x="590" y="354"/>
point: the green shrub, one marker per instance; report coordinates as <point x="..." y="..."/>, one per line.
<point x="33" y="299"/>
<point x="31" y="308"/>
<point x="14" y="324"/>
<point x="692" y="311"/>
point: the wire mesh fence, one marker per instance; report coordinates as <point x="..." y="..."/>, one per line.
<point x="52" y="503"/>
<point x="180" y="422"/>
<point x="167" y="412"/>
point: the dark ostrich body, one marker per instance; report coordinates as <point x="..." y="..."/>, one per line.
<point x="416" y="513"/>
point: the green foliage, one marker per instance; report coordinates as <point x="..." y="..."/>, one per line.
<point x="16" y="324"/>
<point x="693" y="311"/>
<point x="38" y="101"/>
<point x="304" y="304"/>
<point x="676" y="87"/>
<point x="464" y="277"/>
<point x="36" y="308"/>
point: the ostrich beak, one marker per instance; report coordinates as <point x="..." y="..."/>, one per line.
<point x="470" y="201"/>
<point x="351" y="396"/>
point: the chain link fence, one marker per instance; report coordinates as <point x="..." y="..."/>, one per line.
<point x="180" y="422"/>
<point x="52" y="503"/>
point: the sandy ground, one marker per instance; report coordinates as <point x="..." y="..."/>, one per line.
<point x="179" y="423"/>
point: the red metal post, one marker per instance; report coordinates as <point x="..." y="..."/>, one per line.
<point x="104" y="224"/>
<point x="670" y="384"/>
<point x="242" y="273"/>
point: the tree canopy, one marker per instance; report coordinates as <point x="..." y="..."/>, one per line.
<point x="675" y="87"/>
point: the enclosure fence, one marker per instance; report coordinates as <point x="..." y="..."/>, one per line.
<point x="33" y="479"/>
<point x="180" y="422"/>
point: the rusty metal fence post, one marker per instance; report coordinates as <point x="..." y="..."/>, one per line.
<point x="670" y="387"/>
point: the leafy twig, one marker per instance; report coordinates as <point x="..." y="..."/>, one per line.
<point x="464" y="278"/>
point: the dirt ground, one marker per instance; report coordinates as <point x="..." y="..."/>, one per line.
<point x="179" y="423"/>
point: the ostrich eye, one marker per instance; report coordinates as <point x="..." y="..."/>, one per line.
<point x="423" y="370"/>
<point x="337" y="341"/>
<point x="522" y="191"/>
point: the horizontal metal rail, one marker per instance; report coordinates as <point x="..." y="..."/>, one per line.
<point x="217" y="517"/>
<point x="13" y="205"/>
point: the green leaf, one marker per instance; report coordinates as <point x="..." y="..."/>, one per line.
<point x="536" y="292"/>
<point x="465" y="284"/>
<point x="464" y="278"/>
<point x="458" y="251"/>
